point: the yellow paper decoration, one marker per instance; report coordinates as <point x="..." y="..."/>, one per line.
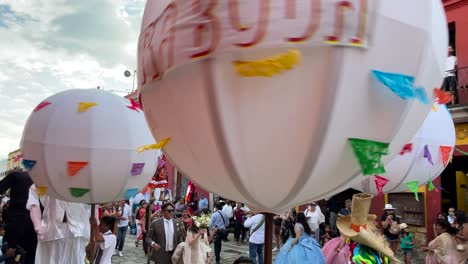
<point x="41" y="190"/>
<point x="434" y="108"/>
<point x="268" y="67"/>
<point x="158" y="145"/>
<point x="84" y="106"/>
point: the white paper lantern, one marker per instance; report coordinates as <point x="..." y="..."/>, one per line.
<point x="81" y="146"/>
<point x="437" y="134"/>
<point x="281" y="140"/>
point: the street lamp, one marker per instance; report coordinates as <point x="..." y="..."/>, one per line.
<point x="127" y="73"/>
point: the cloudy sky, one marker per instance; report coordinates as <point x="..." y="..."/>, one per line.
<point x="47" y="46"/>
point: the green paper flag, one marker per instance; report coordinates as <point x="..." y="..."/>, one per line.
<point x="78" y="192"/>
<point x="413" y="186"/>
<point x="369" y="154"/>
<point x="430" y="186"/>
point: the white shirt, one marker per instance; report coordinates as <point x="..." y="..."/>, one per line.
<point x="110" y="240"/>
<point x="169" y="230"/>
<point x="127" y="214"/>
<point x="450" y="63"/>
<point x="312" y="219"/>
<point x="54" y="211"/>
<point x="227" y="209"/>
<point x="258" y="237"/>
<point x="450" y="219"/>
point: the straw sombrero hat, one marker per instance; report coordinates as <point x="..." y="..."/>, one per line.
<point x="360" y="226"/>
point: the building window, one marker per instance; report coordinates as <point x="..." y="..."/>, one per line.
<point x="408" y="209"/>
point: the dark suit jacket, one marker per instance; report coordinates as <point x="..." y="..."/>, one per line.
<point x="157" y="235"/>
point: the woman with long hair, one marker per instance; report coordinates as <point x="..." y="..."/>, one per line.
<point x="303" y="248"/>
<point x="186" y="219"/>
<point x="443" y="249"/>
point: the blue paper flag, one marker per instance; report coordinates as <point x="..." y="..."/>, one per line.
<point x="400" y="84"/>
<point x="421" y="95"/>
<point x="29" y="164"/>
<point x="130" y="193"/>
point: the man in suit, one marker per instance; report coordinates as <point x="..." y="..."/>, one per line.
<point x="164" y="235"/>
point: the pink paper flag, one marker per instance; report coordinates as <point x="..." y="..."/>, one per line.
<point x="406" y="149"/>
<point x="445" y="153"/>
<point x="380" y="182"/>
<point x="41" y="105"/>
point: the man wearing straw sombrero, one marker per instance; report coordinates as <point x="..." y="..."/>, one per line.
<point x="360" y="227"/>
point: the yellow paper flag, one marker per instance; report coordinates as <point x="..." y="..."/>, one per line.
<point x="158" y="145"/>
<point x="41" y="190"/>
<point x="84" y="106"/>
<point x="434" y="108"/>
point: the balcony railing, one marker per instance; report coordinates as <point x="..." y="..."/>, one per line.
<point x="460" y="87"/>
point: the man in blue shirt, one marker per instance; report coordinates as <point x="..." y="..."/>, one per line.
<point x="203" y="203"/>
<point x="220" y="223"/>
<point x="347" y="210"/>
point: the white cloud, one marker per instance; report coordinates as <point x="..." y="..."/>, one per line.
<point x="52" y="45"/>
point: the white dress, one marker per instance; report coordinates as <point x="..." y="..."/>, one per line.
<point x="64" y="242"/>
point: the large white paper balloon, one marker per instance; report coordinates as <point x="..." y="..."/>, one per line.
<point x="414" y="163"/>
<point x="260" y="97"/>
<point x="80" y="146"/>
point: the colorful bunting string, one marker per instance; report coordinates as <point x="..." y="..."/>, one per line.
<point x="41" y="190"/>
<point x="158" y="145"/>
<point x="41" y="105"/>
<point x="442" y="97"/>
<point x="413" y="186"/>
<point x="380" y="182"/>
<point x="369" y="154"/>
<point x="137" y="168"/>
<point x="78" y="192"/>
<point x="407" y="149"/>
<point x="400" y="84"/>
<point x="430" y="186"/>
<point x="29" y="164"/>
<point x="461" y="151"/>
<point x="84" y="106"/>
<point x="130" y="193"/>
<point x="73" y="167"/>
<point x="445" y="152"/>
<point x="427" y="154"/>
<point x="134" y="105"/>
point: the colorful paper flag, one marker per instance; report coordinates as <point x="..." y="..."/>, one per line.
<point x="434" y="108"/>
<point x="421" y="95"/>
<point x="78" y="192"/>
<point x="427" y="154"/>
<point x="41" y="190"/>
<point x="407" y="149"/>
<point x="137" y="168"/>
<point x="84" y="106"/>
<point x="73" y="167"/>
<point x="442" y="97"/>
<point x="161" y="162"/>
<point x="29" y="164"/>
<point x="380" y="182"/>
<point x="445" y="152"/>
<point x="430" y="186"/>
<point x="369" y="154"/>
<point x="134" y="105"/>
<point x="158" y="145"/>
<point x="413" y="186"/>
<point x="41" y="105"/>
<point x="400" y="84"/>
<point x="130" y="193"/>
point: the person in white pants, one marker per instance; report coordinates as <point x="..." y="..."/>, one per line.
<point x="62" y="228"/>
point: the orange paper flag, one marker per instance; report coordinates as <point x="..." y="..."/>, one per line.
<point x="445" y="154"/>
<point x="442" y="97"/>
<point x="75" y="166"/>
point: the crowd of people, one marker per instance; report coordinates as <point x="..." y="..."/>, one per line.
<point x="42" y="229"/>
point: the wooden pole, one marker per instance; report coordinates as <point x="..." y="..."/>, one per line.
<point x="91" y="242"/>
<point x="268" y="256"/>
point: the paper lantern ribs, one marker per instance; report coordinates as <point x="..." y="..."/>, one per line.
<point x="264" y="89"/>
<point x="82" y="147"/>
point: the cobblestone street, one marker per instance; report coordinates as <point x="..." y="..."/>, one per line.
<point x="230" y="252"/>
